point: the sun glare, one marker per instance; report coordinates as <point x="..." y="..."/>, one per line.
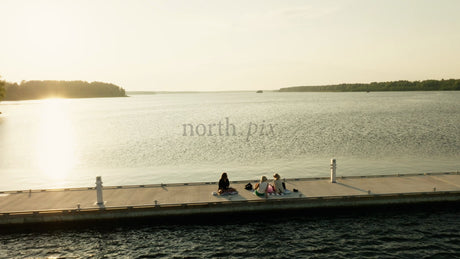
<point x="55" y="140"/>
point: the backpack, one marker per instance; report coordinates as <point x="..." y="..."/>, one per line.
<point x="248" y="187"/>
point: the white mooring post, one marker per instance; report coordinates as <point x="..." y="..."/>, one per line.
<point x="333" y="167"/>
<point x="100" y="200"/>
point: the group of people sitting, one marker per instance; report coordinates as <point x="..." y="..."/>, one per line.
<point x="261" y="189"/>
<point x="276" y="187"/>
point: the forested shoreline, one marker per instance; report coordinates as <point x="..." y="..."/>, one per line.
<point x="402" y="85"/>
<point x="33" y="90"/>
<point x="2" y="89"/>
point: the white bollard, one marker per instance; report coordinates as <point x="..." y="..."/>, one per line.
<point x="333" y="168"/>
<point x="100" y="200"/>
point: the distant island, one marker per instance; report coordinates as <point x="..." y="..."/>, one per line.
<point x="33" y="90"/>
<point x="427" y="85"/>
<point x="2" y="90"/>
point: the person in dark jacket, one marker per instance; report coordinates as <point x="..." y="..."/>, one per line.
<point x="224" y="186"/>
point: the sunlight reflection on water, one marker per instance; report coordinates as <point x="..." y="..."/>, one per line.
<point x="55" y="149"/>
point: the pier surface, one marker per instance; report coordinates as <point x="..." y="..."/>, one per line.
<point x="74" y="204"/>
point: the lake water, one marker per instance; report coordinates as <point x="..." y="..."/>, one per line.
<point x="421" y="234"/>
<point x="142" y="139"/>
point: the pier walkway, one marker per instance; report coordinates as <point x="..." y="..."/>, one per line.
<point x="73" y="204"/>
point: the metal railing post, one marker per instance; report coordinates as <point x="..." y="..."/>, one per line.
<point x="100" y="200"/>
<point x="333" y="170"/>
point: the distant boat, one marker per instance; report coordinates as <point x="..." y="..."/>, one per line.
<point x="260" y="91"/>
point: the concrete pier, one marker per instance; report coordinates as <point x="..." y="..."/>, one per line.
<point x="79" y="204"/>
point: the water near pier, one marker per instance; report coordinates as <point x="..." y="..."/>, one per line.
<point x="416" y="234"/>
<point x="147" y="139"/>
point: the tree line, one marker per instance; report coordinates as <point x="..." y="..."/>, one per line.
<point x="2" y="89"/>
<point x="402" y="85"/>
<point x="32" y="90"/>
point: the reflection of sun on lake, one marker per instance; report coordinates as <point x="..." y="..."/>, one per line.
<point x="55" y="140"/>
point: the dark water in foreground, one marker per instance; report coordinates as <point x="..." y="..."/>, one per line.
<point x="419" y="233"/>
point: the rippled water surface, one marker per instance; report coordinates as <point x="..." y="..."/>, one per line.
<point x="140" y="139"/>
<point x="423" y="233"/>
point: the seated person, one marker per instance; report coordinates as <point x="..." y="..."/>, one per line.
<point x="262" y="187"/>
<point x="224" y="186"/>
<point x="278" y="185"/>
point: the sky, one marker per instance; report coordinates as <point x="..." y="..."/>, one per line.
<point x="215" y="45"/>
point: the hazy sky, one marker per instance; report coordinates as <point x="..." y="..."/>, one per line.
<point x="229" y="45"/>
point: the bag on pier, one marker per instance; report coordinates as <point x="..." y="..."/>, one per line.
<point x="248" y="187"/>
